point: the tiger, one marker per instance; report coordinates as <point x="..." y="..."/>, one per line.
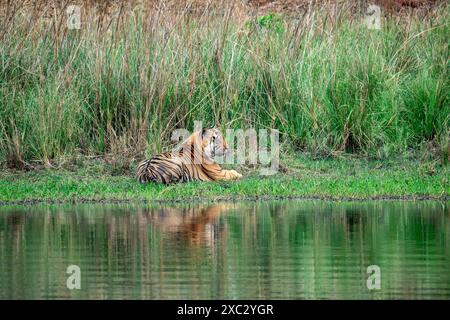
<point x="192" y="161"/>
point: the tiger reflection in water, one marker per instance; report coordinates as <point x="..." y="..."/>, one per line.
<point x="197" y="226"/>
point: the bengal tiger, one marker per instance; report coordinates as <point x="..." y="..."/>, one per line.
<point x="194" y="160"/>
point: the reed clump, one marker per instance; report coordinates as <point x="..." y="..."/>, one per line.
<point x="119" y="85"/>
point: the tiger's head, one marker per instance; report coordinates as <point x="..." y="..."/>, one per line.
<point x="213" y="143"/>
<point x="207" y="144"/>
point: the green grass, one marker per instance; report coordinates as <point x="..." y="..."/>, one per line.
<point x="305" y="178"/>
<point x="334" y="90"/>
<point x="330" y="86"/>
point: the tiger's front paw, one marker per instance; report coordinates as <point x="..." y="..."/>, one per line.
<point x="235" y="175"/>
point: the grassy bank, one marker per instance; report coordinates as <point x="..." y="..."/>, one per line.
<point x="303" y="177"/>
<point x="116" y="89"/>
<point x="119" y="86"/>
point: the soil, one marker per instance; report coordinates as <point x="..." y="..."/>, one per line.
<point x="225" y="199"/>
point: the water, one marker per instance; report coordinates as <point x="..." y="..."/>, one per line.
<point x="269" y="250"/>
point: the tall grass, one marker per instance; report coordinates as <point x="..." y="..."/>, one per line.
<point x="122" y="83"/>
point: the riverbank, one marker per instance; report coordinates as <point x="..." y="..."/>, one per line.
<point x="331" y="179"/>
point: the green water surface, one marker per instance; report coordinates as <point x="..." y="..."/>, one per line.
<point x="246" y="250"/>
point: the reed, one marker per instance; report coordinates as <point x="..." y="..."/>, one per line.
<point x="117" y="87"/>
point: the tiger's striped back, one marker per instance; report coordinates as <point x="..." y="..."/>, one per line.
<point x="170" y="168"/>
<point x="163" y="168"/>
